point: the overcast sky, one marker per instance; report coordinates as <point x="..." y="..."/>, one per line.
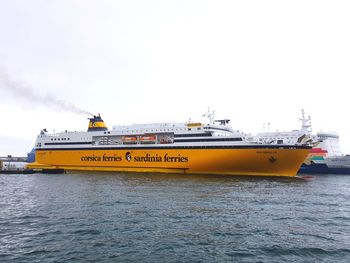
<point x="153" y="61"/>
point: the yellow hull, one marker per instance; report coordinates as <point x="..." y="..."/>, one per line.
<point x="269" y="161"/>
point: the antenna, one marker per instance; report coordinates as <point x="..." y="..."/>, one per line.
<point x="209" y="115"/>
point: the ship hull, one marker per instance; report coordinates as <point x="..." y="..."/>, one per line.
<point x="257" y="161"/>
<point x="323" y="169"/>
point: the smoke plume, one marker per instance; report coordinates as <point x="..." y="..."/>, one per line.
<point x="23" y="91"/>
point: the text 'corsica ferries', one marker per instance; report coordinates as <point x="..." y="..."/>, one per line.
<point x="192" y="148"/>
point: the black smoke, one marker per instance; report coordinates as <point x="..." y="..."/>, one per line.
<point x="24" y="91"/>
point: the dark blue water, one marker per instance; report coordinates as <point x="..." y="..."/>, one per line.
<point x="172" y="218"/>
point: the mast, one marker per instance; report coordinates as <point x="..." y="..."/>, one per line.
<point x="305" y="122"/>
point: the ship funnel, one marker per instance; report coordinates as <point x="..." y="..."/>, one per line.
<point x="97" y="124"/>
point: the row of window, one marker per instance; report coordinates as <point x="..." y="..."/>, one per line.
<point x="193" y="135"/>
<point x="153" y="130"/>
<point x="287" y="138"/>
<point x="60" y="139"/>
<point x="209" y="140"/>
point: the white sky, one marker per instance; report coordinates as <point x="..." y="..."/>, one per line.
<point x="152" y="61"/>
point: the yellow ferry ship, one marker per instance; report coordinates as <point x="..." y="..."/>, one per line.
<point x="186" y="148"/>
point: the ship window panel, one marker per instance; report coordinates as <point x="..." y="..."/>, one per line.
<point x="194" y="135"/>
<point x="209" y="140"/>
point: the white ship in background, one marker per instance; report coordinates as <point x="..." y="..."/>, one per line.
<point x="325" y="156"/>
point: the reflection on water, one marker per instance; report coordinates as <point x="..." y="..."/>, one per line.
<point x="137" y="217"/>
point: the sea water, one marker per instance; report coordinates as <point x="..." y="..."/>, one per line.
<point x="126" y="217"/>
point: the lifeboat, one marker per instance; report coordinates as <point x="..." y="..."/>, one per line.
<point x="148" y="139"/>
<point x="129" y="139"/>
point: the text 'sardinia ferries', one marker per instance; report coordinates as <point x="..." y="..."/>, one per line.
<point x="193" y="148"/>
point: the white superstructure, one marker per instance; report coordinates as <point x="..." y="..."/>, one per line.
<point x="218" y="132"/>
<point x="328" y="141"/>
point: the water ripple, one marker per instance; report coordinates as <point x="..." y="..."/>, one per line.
<point x="105" y="217"/>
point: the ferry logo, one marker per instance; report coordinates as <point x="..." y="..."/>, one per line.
<point x="128" y="156"/>
<point x="272" y="159"/>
